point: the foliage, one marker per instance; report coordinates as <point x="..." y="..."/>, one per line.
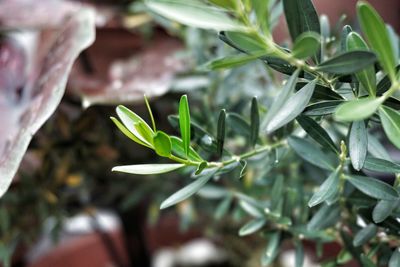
<point x="324" y="122"/>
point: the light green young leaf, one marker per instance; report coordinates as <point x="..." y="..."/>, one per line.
<point x="162" y="144"/>
<point x="178" y="150"/>
<point x="306" y="45"/>
<point x="281" y="98"/>
<point x="246" y="42"/>
<point x="373" y="187"/>
<point x="125" y="131"/>
<point x="309" y="152"/>
<point x="136" y="125"/>
<point x="348" y="62"/>
<point x="196" y="14"/>
<point x="252" y="226"/>
<point x="381" y="165"/>
<point x="316" y="132"/>
<point x="358" y="144"/>
<point x="390" y="119"/>
<point x="184" y="123"/>
<point x="327" y="190"/>
<point x="359" y="109"/>
<point x="365" y="234"/>
<point x="228" y="4"/>
<point x="367" y="76"/>
<point x="145" y="169"/>
<point x="395" y="258"/>
<point x="292" y="107"/>
<point x="189" y="190"/>
<point x="254" y="121"/>
<point x="377" y="35"/>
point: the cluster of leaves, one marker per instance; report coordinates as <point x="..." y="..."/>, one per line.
<point x="339" y="95"/>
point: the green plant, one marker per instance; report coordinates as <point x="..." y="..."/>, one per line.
<point x="339" y="94"/>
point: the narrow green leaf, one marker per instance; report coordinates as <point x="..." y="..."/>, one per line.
<point x="390" y="119"/>
<point x="364" y="235"/>
<point x="131" y="121"/>
<point x="232" y="61"/>
<point x="184" y="123"/>
<point x="243" y="166"/>
<point x="301" y="16"/>
<point x="221" y="132"/>
<point x="299" y="258"/>
<point x="306" y="45"/>
<point x="316" y="132"/>
<point x="281" y="98"/>
<point x="348" y="62"/>
<point x="383" y="210"/>
<point x="196" y="14"/>
<point x="252" y="226"/>
<point x="292" y="107"/>
<point x="367" y="76"/>
<point x="381" y="165"/>
<point x="358" y="109"/>
<point x="128" y="133"/>
<point x="327" y="190"/>
<point x="150" y="113"/>
<point x="322" y="108"/>
<point x="178" y="150"/>
<point x="377" y="35"/>
<point x="144" y="169"/>
<point x="373" y="187"/>
<point x="326" y="216"/>
<point x="162" y="144"/>
<point x="377" y="149"/>
<point x="223" y="208"/>
<point x="245" y="42"/>
<point x="358" y="144"/>
<point x="189" y="190"/>
<point x="272" y="249"/>
<point x="201" y="167"/>
<point x="254" y="121"/>
<point x="395" y="258"/>
<point x="343" y="38"/>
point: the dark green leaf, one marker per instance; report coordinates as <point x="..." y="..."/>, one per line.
<point x="252" y="227"/>
<point x="306" y="45"/>
<point x="385" y="83"/>
<point x="238" y="124"/>
<point x="327" y="190"/>
<point x="255" y="121"/>
<point x="309" y="152"/>
<point x="189" y="190"/>
<point x="364" y="235"/>
<point x="201" y="167"/>
<point x="348" y="62"/>
<point x="221" y="132"/>
<point x="381" y="165"/>
<point x="343" y="38"/>
<point x="326" y="216"/>
<point x="390" y="119"/>
<point x="196" y="14"/>
<point x="301" y="16"/>
<point x="291" y="108"/>
<point x="367" y="76"/>
<point x="358" y="109"/>
<point x="366" y="262"/>
<point x="144" y="169"/>
<point x="162" y="144"/>
<point x="321" y="92"/>
<point x="377" y="35"/>
<point x="316" y="132"/>
<point x="373" y="187"/>
<point x="299" y="259"/>
<point x="383" y="210"/>
<point x="184" y="123"/>
<point x="358" y="144"/>
<point x="322" y="108"/>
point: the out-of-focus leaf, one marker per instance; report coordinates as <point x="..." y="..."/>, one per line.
<point x="377" y="35"/>
<point x="395" y="258"/>
<point x="348" y="62"/>
<point x="20" y="120"/>
<point x="306" y="45"/>
<point x="358" y="109"/>
<point x="272" y="249"/>
<point x="196" y="14"/>
<point x="358" y="144"/>
<point x="327" y="190"/>
<point x="189" y="190"/>
<point x="377" y="149"/>
<point x="145" y="169"/>
<point x="390" y="119"/>
<point x="317" y="132"/>
<point x="252" y="227"/>
<point x="326" y="216"/>
<point x="366" y="262"/>
<point x="230" y="61"/>
<point x="373" y="187"/>
<point x="365" y="234"/>
<point x="309" y="152"/>
<point x="244" y="42"/>
<point x="383" y="210"/>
